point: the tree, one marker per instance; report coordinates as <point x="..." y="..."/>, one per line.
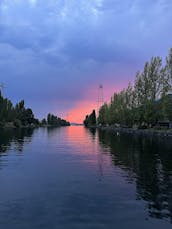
<point x="90" y="120"/>
<point x="147" y="101"/>
<point x="103" y="114"/>
<point x="53" y="120"/>
<point x="169" y="66"/>
<point x="17" y="115"/>
<point x="44" y="122"/>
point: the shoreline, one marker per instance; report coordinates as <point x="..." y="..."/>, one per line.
<point x="164" y="133"/>
<point x="32" y="126"/>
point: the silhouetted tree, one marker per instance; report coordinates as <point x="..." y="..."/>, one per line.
<point x="90" y="120"/>
<point x="18" y="115"/>
<point x="145" y="103"/>
<point x="53" y="120"/>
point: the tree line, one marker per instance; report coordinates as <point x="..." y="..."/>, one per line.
<point x="20" y="116"/>
<point x="90" y="120"/>
<point x="53" y="120"/>
<point x="145" y="103"/>
<point x="16" y="115"/>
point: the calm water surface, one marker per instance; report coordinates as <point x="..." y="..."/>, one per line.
<point x="77" y="178"/>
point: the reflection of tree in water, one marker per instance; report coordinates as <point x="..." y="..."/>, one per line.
<point x="16" y="137"/>
<point x="92" y="132"/>
<point x="53" y="130"/>
<point x="148" y="162"/>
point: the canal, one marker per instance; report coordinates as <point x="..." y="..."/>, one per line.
<point x="78" y="178"/>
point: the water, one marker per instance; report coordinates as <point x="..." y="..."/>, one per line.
<point x="77" y="178"/>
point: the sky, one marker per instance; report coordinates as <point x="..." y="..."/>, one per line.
<point x="54" y="54"/>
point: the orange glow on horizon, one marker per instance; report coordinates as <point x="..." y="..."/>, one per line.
<point x="84" y="107"/>
<point x="78" y="113"/>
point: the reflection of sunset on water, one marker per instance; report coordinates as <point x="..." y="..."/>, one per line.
<point x="88" y="148"/>
<point x="76" y="135"/>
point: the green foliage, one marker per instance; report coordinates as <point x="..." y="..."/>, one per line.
<point x="44" y="122"/>
<point x="166" y="104"/>
<point x="18" y="115"/>
<point x="90" y="120"/>
<point x="145" y="103"/>
<point x="53" y="120"/>
<point x="17" y="123"/>
<point x="104" y="114"/>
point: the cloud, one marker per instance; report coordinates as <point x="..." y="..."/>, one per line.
<point x="55" y="50"/>
<point x="33" y="2"/>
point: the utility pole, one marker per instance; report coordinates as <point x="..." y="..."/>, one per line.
<point x="100" y="100"/>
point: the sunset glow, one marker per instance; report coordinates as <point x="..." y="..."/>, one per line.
<point x="77" y="114"/>
<point x="54" y="54"/>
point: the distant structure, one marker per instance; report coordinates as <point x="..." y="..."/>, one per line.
<point x="100" y="100"/>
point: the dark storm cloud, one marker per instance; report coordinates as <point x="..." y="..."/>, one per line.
<point x="54" y="50"/>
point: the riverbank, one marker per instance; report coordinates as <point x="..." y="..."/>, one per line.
<point x="49" y="126"/>
<point x="11" y="125"/>
<point x="164" y="133"/>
